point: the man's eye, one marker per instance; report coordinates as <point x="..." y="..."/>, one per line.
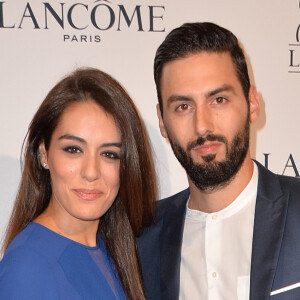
<point x="182" y="107"/>
<point x="220" y="100"/>
<point x="72" y="149"/>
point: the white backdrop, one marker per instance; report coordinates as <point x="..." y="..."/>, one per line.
<point x="42" y="41"/>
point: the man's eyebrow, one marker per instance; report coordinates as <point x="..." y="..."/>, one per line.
<point x="72" y="138"/>
<point x="223" y="88"/>
<point x="175" y="98"/>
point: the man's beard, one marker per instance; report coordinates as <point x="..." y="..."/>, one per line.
<point x="212" y="175"/>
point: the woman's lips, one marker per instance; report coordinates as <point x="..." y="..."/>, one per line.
<point x="207" y="148"/>
<point x="88" y="194"/>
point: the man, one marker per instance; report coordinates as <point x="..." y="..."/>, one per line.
<point x="235" y="233"/>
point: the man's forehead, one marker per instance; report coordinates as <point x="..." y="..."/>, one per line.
<point x="214" y="68"/>
<point x="202" y="57"/>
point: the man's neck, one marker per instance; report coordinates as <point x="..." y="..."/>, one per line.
<point x="213" y="201"/>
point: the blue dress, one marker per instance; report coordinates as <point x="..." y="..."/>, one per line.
<point x="40" y="264"/>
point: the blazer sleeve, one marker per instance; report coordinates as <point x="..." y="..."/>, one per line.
<point x="26" y="275"/>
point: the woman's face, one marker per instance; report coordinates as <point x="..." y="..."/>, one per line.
<point x="84" y="160"/>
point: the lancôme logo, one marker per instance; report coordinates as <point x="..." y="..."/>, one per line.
<point x="82" y="17"/>
<point x="294" y="50"/>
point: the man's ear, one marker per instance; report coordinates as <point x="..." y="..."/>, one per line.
<point x="253" y="103"/>
<point x="43" y="155"/>
<point x="161" y="123"/>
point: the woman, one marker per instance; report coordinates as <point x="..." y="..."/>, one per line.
<point x="87" y="188"/>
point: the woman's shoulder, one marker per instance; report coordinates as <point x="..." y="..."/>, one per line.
<point x="30" y="249"/>
<point x="21" y="259"/>
<point x="36" y="239"/>
<point x="25" y="273"/>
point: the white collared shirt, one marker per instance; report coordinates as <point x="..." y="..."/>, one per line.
<point x="216" y="249"/>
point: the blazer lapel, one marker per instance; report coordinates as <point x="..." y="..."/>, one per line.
<point x="172" y="232"/>
<point x="269" y="222"/>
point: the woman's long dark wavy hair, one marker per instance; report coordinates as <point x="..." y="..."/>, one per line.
<point x="133" y="206"/>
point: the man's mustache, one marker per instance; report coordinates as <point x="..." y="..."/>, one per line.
<point x="210" y="137"/>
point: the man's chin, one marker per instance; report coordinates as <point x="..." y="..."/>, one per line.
<point x="208" y="158"/>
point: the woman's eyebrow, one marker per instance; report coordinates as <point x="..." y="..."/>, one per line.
<point x="111" y="144"/>
<point x="72" y="137"/>
<point x="79" y="139"/>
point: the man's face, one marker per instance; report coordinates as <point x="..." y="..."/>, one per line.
<point x="206" y="117"/>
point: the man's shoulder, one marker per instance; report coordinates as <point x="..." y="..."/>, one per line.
<point x="175" y="201"/>
<point x="290" y="183"/>
<point x="286" y="183"/>
<point x="166" y="208"/>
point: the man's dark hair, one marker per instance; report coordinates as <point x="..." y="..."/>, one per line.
<point x="191" y="38"/>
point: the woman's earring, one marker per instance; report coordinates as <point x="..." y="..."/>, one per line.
<point x="45" y="165"/>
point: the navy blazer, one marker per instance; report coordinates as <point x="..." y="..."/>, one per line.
<point x="275" y="262"/>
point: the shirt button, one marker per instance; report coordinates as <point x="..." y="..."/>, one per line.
<point x="214" y="217"/>
<point x="214" y="274"/>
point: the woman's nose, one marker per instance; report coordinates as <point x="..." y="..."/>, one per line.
<point x="90" y="168"/>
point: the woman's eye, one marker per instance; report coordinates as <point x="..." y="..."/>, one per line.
<point x="182" y="107"/>
<point x="72" y="149"/>
<point x="111" y="155"/>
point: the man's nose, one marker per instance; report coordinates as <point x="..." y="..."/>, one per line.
<point x="203" y="120"/>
